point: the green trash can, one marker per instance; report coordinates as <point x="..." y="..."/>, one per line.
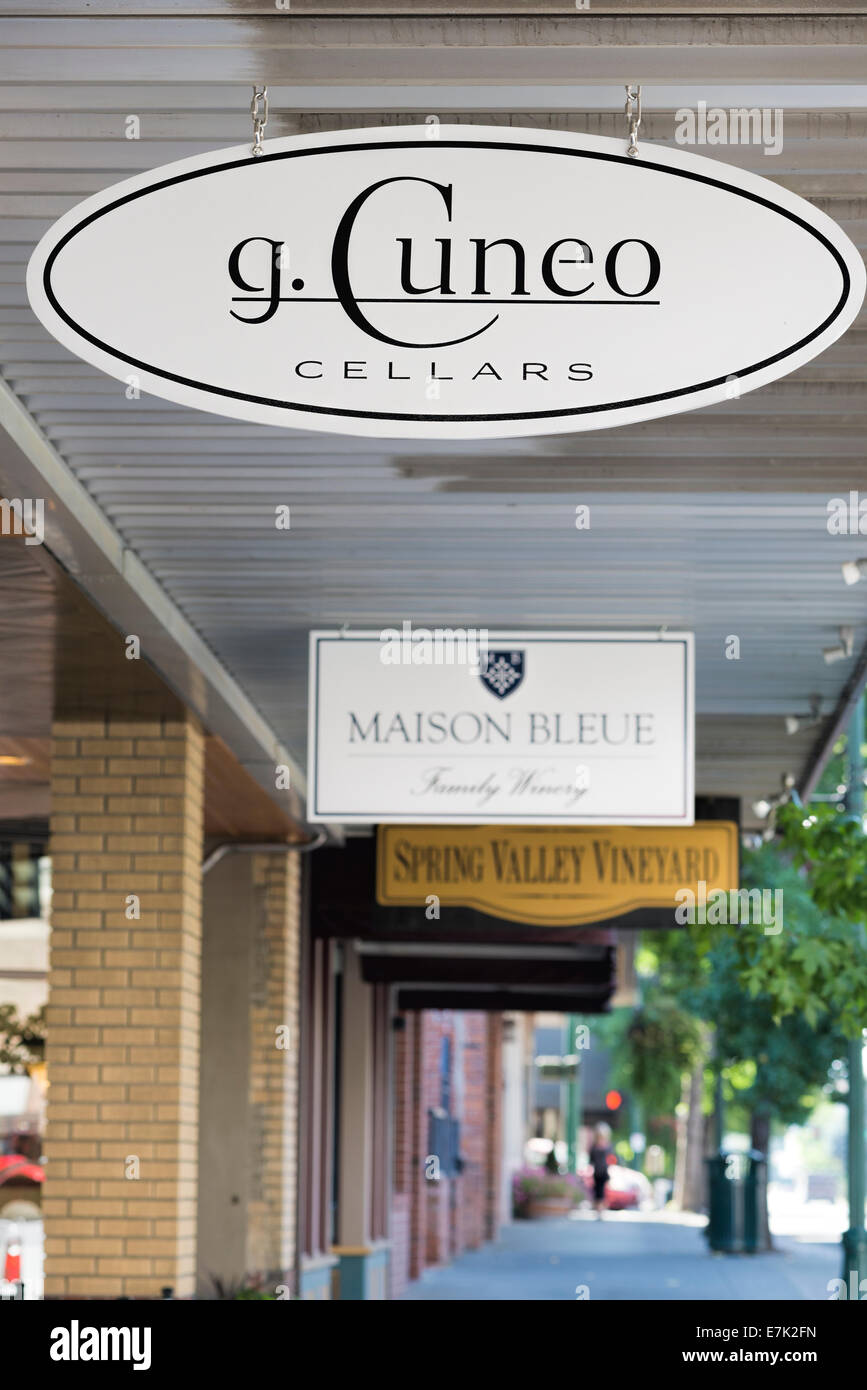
<point x="756" y="1233"/>
<point x="736" y="1202"/>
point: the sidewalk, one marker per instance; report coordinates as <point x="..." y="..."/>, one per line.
<point x="628" y="1256"/>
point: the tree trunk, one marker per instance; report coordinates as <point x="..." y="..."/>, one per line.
<point x="694" y="1191"/>
<point x="760" y="1138"/>
<point x="760" y="1130"/>
<point x="680" y="1144"/>
<point x="689" y="1192"/>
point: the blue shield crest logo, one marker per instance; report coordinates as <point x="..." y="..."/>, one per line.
<point x="503" y="673"/>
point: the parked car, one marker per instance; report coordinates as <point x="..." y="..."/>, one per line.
<point x="626" y="1188"/>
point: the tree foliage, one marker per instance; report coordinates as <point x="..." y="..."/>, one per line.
<point x="22" y="1040"/>
<point x="651" y="1048"/>
<point x="778" y="1006"/>
<point x="776" y="1064"/>
<point x="817" y="965"/>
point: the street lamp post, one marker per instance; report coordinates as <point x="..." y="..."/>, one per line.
<point x="855" y="1239"/>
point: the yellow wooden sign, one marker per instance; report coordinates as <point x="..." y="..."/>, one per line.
<point x="553" y="875"/>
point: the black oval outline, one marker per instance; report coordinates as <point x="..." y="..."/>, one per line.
<point x="446" y="144"/>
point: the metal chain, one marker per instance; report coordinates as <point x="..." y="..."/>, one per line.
<point x="259" y="112"/>
<point x="633" y="114"/>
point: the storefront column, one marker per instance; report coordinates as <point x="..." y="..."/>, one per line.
<point x="514" y="1109"/>
<point x="249" y="1073"/>
<point x="493" y="1150"/>
<point x="274" y="1037"/>
<point x="316" y="1259"/>
<point x="405" y="1160"/>
<point x="123" y="1009"/>
<point x="364" y="1160"/>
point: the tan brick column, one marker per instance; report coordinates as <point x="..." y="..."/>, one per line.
<point x="274" y="1024"/>
<point x="123" y="1014"/>
<point x="248" y="1104"/>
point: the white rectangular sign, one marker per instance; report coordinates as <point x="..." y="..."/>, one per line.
<point x="562" y="728"/>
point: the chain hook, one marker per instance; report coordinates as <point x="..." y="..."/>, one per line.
<point x="633" y="115"/>
<point x="259" y="113"/>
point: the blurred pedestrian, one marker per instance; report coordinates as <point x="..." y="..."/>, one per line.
<point x="600" y="1155"/>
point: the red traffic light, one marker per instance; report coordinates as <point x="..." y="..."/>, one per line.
<point x="613" y="1100"/>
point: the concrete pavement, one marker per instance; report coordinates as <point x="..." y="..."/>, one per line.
<point x="628" y="1255"/>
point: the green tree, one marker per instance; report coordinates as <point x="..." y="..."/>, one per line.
<point x="651" y="1048"/>
<point x="775" y="1065"/>
<point x="22" y="1040"/>
<point x="772" y="1001"/>
<point x="817" y="965"/>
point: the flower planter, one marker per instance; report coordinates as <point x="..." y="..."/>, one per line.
<point x="539" y="1195"/>
<point x="548" y="1208"/>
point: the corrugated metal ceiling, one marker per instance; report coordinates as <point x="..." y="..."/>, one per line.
<point x="713" y="520"/>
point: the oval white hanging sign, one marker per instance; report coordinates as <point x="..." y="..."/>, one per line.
<point x="487" y="282"/>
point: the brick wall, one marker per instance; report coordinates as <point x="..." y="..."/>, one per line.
<point x="438" y="1196"/>
<point x="274" y="1069"/>
<point x="475" y="1129"/>
<point x="493" y="1175"/>
<point x="398" y="1263"/>
<point x="403" y="1164"/>
<point x="433" y="1221"/>
<point x="123" y="1010"/>
<point x="418" y="1133"/>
